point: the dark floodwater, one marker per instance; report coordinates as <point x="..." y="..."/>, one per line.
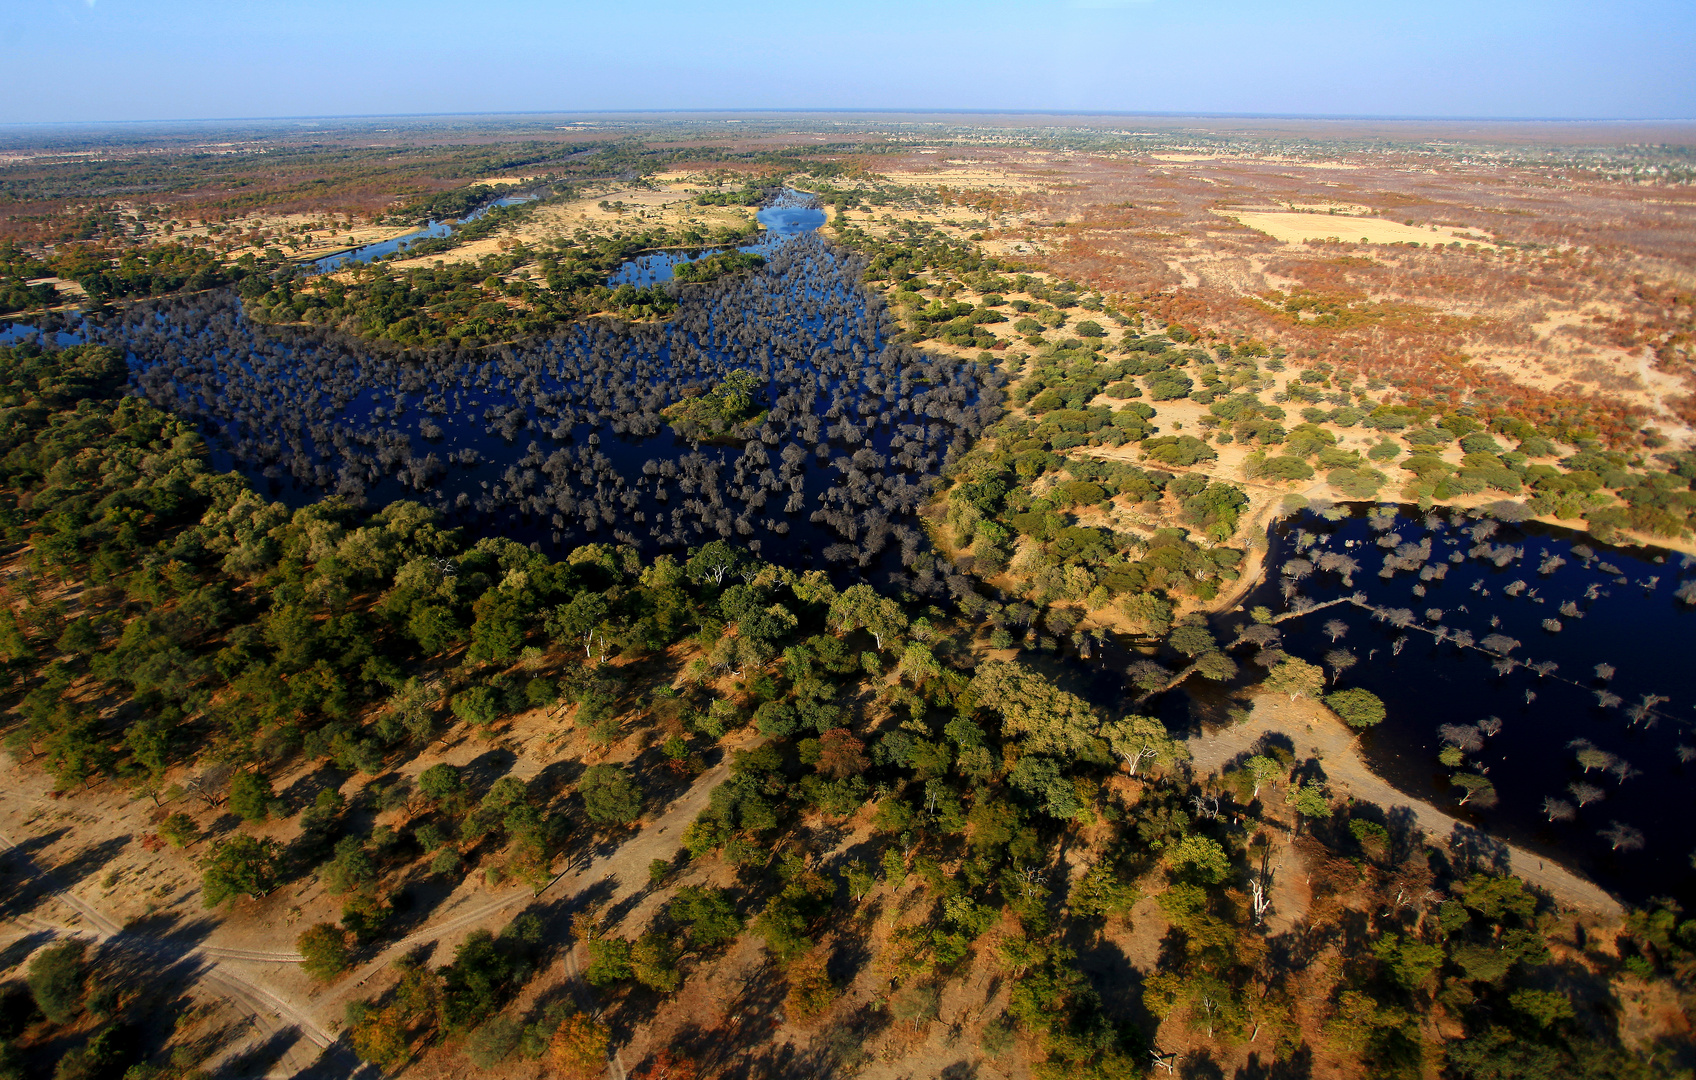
<point x="561" y="441"/>
<point x="1626" y="616"/>
<point x="432" y="230"/>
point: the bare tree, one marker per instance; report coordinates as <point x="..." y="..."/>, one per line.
<point x="1490" y="725"/>
<point x="1558" y="809"/>
<point x="1339" y="661"/>
<point x="1462" y="736"/>
<point x="1589" y="756"/>
<point x="1622" y="837"/>
<point x="209" y="786"/>
<point x="1604" y="672"/>
<point x="1336" y="629"/>
<point x="1499" y="643"/>
<point x="1258" y="898"/>
<point x="1585" y="793"/>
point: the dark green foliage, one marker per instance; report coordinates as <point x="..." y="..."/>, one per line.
<point x="610" y="795"/>
<point x="351" y="870"/>
<point x="325" y="950"/>
<point x="55" y="979"/>
<point x="713" y="267"/>
<point x="719" y="412"/>
<point x="1358" y="708"/>
<point x="101" y="1056"/>
<point x="1169" y="385"/>
<point x="485" y="972"/>
<point x="239" y="866"/>
<point x="705" y="915"/>
<point x="251" y="796"/>
<point x="494" y="1041"/>
<point x="1178" y="450"/>
<point x="609" y="961"/>
<point x="789" y="916"/>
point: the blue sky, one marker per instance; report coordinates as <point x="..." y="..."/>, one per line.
<point x="164" y="59"/>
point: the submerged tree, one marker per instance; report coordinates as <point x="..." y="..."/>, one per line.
<point x="1622" y="837"/>
<point x="1339" y="661"/>
<point x="1585" y="794"/>
<point x="1478" y="788"/>
<point x="1589" y="756"/>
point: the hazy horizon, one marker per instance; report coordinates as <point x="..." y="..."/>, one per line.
<point x="1313" y="59"/>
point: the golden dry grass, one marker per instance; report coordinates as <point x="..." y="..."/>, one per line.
<point x="1296" y="228"/>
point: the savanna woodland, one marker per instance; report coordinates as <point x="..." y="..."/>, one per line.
<point x="700" y="600"/>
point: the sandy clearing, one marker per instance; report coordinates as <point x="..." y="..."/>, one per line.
<point x="641" y="209"/>
<point x="1296" y="228"/>
<point x="1318" y="734"/>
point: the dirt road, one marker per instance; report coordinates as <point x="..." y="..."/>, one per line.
<point x="272" y="1014"/>
<point x="238" y="975"/>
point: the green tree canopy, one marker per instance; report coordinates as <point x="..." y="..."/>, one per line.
<point x="1359" y="709"/>
<point x="240" y="866"/>
<point x="610" y="795"/>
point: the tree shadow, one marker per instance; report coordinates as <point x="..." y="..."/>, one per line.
<point x="20" y="950"/>
<point x="28" y="880"/>
<point x="1199" y="1065"/>
<point x="415" y="898"/>
<point x="89" y="861"/>
<point x="17" y="1009"/>
<point x="483" y="770"/>
<point x="1115" y="979"/>
<point x="167" y="932"/>
<point x="752" y="1012"/>
<point x="1298" y="1067"/>
<point x="1473" y="851"/>
<point x="256" y="1061"/>
<point x="1406" y="836"/>
<point x="304" y="791"/>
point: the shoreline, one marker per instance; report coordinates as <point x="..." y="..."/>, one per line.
<point x="1319" y="735"/>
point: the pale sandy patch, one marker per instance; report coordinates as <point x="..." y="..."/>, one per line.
<point x="65" y="286"/>
<point x="670" y="206"/>
<point x="1296" y="228"/>
<point x="1318" y="734"/>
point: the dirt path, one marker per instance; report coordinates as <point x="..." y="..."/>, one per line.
<point x="624" y="870"/>
<point x="1318" y="734"/>
<point x="619" y="875"/>
<point x="272" y="1014"/>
